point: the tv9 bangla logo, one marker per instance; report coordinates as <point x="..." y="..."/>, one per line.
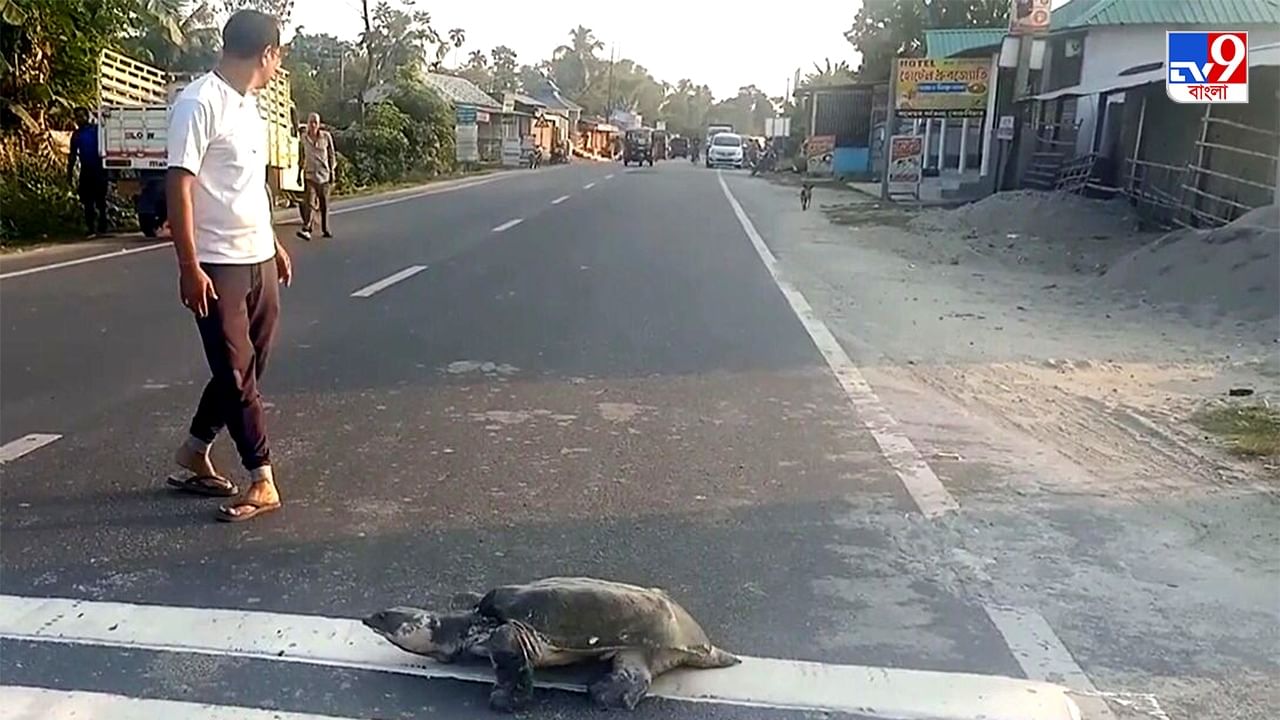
<point x="1207" y="67"/>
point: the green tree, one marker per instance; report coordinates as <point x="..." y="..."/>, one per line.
<point x="574" y="66"/>
<point x="886" y="29"/>
<point x="505" y="77"/>
<point x="394" y="39"/>
<point x="477" y="70"/>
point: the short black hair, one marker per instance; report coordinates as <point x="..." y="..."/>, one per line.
<point x="249" y="32"/>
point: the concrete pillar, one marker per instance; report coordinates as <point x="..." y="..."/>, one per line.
<point x="942" y="144"/>
<point x="928" y="133"/>
<point x="964" y="144"/>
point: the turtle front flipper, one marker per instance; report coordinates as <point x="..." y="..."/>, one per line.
<point x="626" y="684"/>
<point x="513" y="668"/>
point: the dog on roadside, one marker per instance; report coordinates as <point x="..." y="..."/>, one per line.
<point x="806" y="195"/>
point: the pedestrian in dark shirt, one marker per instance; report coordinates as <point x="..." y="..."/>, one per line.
<point x="92" y="185"/>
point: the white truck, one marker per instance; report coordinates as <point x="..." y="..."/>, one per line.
<point x="133" y="122"/>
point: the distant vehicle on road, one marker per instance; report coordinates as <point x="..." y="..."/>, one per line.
<point x="725" y="150"/>
<point x="679" y="147"/>
<point x="637" y="147"/>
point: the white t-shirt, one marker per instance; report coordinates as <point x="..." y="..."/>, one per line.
<point x="217" y="134"/>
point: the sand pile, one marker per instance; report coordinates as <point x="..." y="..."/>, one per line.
<point x="1035" y="213"/>
<point x="1235" y="269"/>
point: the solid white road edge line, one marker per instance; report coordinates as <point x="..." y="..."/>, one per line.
<point x="508" y="225"/>
<point x="560" y="199"/>
<point x="83" y="260"/>
<point x="19" y="702"/>
<point x="15" y="449"/>
<point x="1037" y="648"/>
<point x="922" y="484"/>
<point x="283" y="221"/>
<point x="386" y="282"/>
<point x="341" y="642"/>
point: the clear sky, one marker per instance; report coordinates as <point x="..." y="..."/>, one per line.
<point x="720" y="44"/>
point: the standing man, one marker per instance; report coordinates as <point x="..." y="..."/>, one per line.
<point x="317" y="170"/>
<point x="230" y="263"/>
<point x="92" y="186"/>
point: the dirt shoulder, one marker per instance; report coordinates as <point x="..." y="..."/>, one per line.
<point x="1064" y="410"/>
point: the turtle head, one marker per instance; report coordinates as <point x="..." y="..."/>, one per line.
<point x="442" y="637"/>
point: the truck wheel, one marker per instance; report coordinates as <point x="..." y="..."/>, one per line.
<point x="149" y="224"/>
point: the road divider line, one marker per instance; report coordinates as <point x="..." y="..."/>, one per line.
<point x="386" y="282"/>
<point x="508" y="225"/>
<point x="609" y="176"/>
<point x="922" y="484"/>
<point x="341" y="642"/>
<point x="18" y="702"/>
<point x="560" y="199"/>
<point x="15" y="449"/>
<point x="588" y="186"/>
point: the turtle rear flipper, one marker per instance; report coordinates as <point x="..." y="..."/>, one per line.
<point x="513" y="668"/>
<point x="712" y="658"/>
<point x="626" y="684"/>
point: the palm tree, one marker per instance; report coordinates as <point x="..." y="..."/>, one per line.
<point x="830" y="74"/>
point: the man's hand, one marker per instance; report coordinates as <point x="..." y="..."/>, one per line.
<point x="196" y="289"/>
<point x="284" y="265"/>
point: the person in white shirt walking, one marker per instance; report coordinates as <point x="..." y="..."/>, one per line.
<point x="230" y="264"/>
<point x="318" y="171"/>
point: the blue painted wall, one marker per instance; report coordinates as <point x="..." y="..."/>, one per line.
<point x="851" y="161"/>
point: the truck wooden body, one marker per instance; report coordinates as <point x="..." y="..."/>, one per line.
<point x="133" y="122"/>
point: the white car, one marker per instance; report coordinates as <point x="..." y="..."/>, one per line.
<point x="725" y="150"/>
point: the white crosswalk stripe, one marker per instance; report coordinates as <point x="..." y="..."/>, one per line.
<point x="345" y="643"/>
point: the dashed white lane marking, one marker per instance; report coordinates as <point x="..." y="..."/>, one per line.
<point x="922" y="484"/>
<point x="609" y="176"/>
<point x="15" y="449"/>
<point x="415" y="196"/>
<point x="340" y="642"/>
<point x="560" y="199"/>
<point x="386" y="282"/>
<point x="588" y="186"/>
<point x="508" y="225"/>
<point x="31" y="703"/>
<point x="281" y="221"/>
<point x="83" y="260"/>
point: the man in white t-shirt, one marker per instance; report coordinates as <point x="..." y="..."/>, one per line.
<point x="229" y="262"/>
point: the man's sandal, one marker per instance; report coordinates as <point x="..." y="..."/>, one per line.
<point x="207" y="485"/>
<point x="230" y="512"/>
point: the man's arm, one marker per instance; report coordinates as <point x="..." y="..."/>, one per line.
<point x="177" y="188"/>
<point x="189" y="133"/>
<point x="332" y="155"/>
<point x="71" y="155"/>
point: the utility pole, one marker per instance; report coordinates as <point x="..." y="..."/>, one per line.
<point x="368" y="54"/>
<point x="608" y="102"/>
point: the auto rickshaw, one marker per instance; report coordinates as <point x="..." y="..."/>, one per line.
<point x="637" y="147"/>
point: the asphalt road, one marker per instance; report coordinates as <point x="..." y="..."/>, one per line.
<point x="613" y="386"/>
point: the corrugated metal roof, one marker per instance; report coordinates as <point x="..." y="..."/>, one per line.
<point x="954" y="41"/>
<point x="461" y="91"/>
<point x="1226" y="13"/>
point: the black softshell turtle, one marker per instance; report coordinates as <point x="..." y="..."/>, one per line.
<point x="559" y="621"/>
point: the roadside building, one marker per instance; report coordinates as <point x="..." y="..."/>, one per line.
<point x="1101" y="122"/>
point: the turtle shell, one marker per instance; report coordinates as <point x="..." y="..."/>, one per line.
<point x="587" y="614"/>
